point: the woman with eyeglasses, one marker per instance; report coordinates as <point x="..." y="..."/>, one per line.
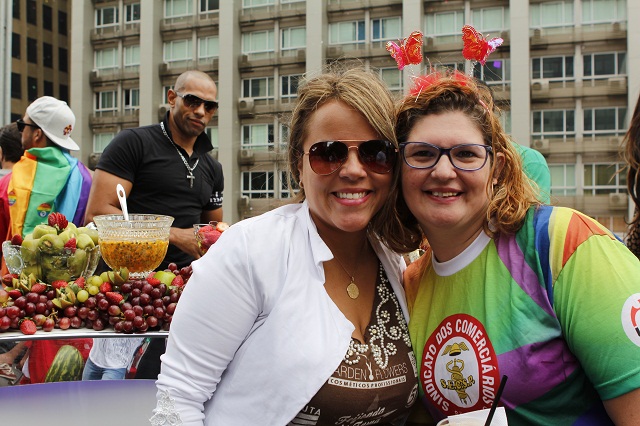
<point x="297" y="316"/>
<point x="508" y="287"/>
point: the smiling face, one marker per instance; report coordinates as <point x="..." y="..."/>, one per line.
<point x="347" y="199"/>
<point x="446" y="201"/>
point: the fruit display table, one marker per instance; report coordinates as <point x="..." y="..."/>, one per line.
<point x="96" y="403"/>
<point x="80" y="333"/>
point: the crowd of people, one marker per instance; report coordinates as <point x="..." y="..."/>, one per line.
<point x="314" y="315"/>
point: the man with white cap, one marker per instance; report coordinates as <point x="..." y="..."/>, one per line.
<point x="47" y="178"/>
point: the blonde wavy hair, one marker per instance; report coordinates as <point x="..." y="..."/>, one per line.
<point x="513" y="194"/>
<point x="364" y="91"/>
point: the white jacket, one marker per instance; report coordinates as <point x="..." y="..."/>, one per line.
<point x="255" y="334"/>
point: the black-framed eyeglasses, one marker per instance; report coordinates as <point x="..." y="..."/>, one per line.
<point x="192" y="101"/>
<point x="22" y="124"/>
<point x="328" y="156"/>
<point x="423" y="155"/>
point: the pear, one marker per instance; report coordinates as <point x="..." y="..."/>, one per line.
<point x="84" y="241"/>
<point x="93" y="233"/>
<point x="41" y="230"/>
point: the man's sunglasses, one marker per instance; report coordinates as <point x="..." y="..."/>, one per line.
<point x="328" y="156"/>
<point x="22" y="124"/>
<point x="192" y="101"/>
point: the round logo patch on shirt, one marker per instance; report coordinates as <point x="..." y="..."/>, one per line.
<point x="459" y="367"/>
<point x="11" y="197"/>
<point x="44" y="209"/>
<point x="631" y="318"/>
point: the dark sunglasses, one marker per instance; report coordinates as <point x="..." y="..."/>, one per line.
<point x="192" y="101"/>
<point x="22" y="124"/>
<point x="328" y="156"/>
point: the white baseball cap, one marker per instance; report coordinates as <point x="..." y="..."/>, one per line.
<point x="56" y="120"/>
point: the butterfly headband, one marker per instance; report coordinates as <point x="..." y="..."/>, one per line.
<point x="424" y="82"/>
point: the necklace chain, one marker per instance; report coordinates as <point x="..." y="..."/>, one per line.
<point x="190" y="169"/>
<point x="352" y="289"/>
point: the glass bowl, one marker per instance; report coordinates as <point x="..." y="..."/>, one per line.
<point x="66" y="264"/>
<point x="138" y="244"/>
<point x="206" y="235"/>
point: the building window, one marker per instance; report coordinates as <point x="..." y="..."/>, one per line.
<point x="604" y="178"/>
<point x="16" y="9"/>
<point x="47" y="55"/>
<point x="63" y="59"/>
<point x="288" y="186"/>
<point x="293" y="38"/>
<point x="47" y="17"/>
<point x="552" y="14"/>
<point x="284" y="135"/>
<point x="15" y="45"/>
<point x="101" y="140"/>
<point x="346" y="32"/>
<point x="445" y="24"/>
<point x="106" y="58"/>
<point x="257" y="184"/>
<point x="392" y="78"/>
<point x="256" y="3"/>
<point x="106" y="17"/>
<point x="257" y="136"/>
<point x="289" y="85"/>
<point x="449" y="66"/>
<point x="386" y="29"/>
<point x="212" y="133"/>
<point x="32" y="50"/>
<point x="132" y="56"/>
<point x="131" y="99"/>
<point x="553" y="124"/>
<point x="62" y="22"/>
<point x="208" y="47"/>
<point x="64" y="93"/>
<point x="257" y="42"/>
<point x="48" y="88"/>
<point x="603" y="11"/>
<point x="132" y="13"/>
<point x="207" y="6"/>
<point x="177" y="8"/>
<point x="604" y="65"/>
<point x="32" y="88"/>
<point x="106" y="101"/>
<point x="258" y="88"/>
<point x="493" y="72"/>
<point x="552" y="67"/>
<point x="563" y="179"/>
<point x="165" y="92"/>
<point x="604" y="121"/>
<point x="490" y="19"/>
<point x="177" y="50"/>
<point x="32" y="12"/>
<point x="16" y="86"/>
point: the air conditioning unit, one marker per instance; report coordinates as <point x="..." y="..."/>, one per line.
<point x="541" y="85"/>
<point x="244" y="59"/>
<point x="246" y="157"/>
<point x="334" y="51"/>
<point x="537" y="34"/>
<point x="614" y="141"/>
<point x="616" y="82"/>
<point x="301" y="54"/>
<point x="94" y="75"/>
<point x="540" y="144"/>
<point x="162" y="111"/>
<point x="245" y="105"/>
<point x="618" y="201"/>
<point x="244" y="203"/>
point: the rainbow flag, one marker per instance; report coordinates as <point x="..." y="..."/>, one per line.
<point x="47" y="180"/>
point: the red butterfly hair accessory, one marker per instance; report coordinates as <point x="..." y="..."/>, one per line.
<point x="476" y="46"/>
<point x="408" y="52"/>
<point x="423" y="82"/>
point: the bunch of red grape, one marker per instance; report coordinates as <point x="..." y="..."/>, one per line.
<point x="38" y="307"/>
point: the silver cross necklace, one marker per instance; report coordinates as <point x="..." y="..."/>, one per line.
<point x="190" y="169"/>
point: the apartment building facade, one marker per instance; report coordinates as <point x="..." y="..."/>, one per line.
<point x="567" y="77"/>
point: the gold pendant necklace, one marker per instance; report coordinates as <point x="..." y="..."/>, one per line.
<point x="352" y="289"/>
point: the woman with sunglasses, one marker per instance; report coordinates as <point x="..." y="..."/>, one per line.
<point x="297" y="316"/>
<point x="508" y="287"/>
